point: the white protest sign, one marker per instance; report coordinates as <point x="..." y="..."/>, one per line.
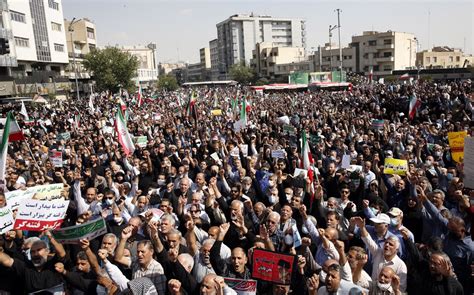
<point x="235" y="152"/>
<point x="239" y="125"/>
<point x="346" y="161"/>
<point x="245" y="149"/>
<point x="279" y="154"/>
<point x="56" y="158"/>
<point x="469" y="162"/>
<point x="36" y="215"/>
<point x="299" y="172"/>
<point x="108" y="129"/>
<point x="40" y="192"/>
<point x="215" y="157"/>
<point x="6" y="220"/>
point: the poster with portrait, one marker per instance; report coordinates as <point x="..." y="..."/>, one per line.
<point x="272" y="266"/>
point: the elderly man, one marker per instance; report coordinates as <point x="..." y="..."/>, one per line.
<point x="386" y="256"/>
<point x="388" y="283"/>
<point x="144" y="265"/>
<point x="40" y="274"/>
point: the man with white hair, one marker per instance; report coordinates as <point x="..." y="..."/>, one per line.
<point x="386" y="256"/>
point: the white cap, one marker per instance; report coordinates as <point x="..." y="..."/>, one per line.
<point x="381" y="218"/>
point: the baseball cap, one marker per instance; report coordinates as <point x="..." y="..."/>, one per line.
<point x="381" y="218"/>
<point x="394" y="211"/>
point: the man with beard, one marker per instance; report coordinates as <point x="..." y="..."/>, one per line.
<point x="387" y="284"/>
<point x="39" y="273"/>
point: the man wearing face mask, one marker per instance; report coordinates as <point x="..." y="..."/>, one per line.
<point x="39" y="273"/>
<point x="388" y="283"/>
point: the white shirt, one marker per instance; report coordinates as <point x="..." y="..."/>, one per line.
<point x="379" y="262"/>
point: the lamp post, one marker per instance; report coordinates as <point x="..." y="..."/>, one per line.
<point x="331" y="28"/>
<point x="339" y="36"/>
<point x="71" y="30"/>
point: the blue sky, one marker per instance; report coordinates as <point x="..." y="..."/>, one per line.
<point x="180" y="28"/>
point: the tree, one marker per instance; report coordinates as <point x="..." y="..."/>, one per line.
<point x="168" y="83"/>
<point x="242" y="74"/>
<point x="112" y="68"/>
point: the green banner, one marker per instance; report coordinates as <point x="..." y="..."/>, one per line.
<point x="289" y="129"/>
<point x="299" y="78"/>
<point x="65" y="136"/>
<point x="141" y="141"/>
<point x="314" y="139"/>
<point x="88" y="230"/>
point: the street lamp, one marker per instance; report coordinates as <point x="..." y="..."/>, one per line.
<point x="71" y="30"/>
<point x="331" y="28"/>
<point x="339" y="36"/>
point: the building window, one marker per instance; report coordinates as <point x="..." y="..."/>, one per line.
<point x="56" y="27"/>
<point x="435" y="59"/>
<point x="428" y="59"/>
<point x="58" y="47"/>
<point x="387" y="54"/>
<point x="22" y="42"/>
<point x="451" y="59"/>
<point x="372" y="42"/>
<point x="90" y="33"/>
<point x="387" y="68"/>
<point x="387" y="41"/>
<point x="53" y="4"/>
<point x="18" y="16"/>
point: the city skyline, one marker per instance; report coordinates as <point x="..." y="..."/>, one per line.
<point x="190" y="25"/>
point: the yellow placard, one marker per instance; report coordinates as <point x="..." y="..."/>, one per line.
<point x="395" y="166"/>
<point x="216" y="112"/>
<point x="456" y="144"/>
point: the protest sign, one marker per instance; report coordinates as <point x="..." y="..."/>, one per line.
<point x="39" y="192"/>
<point x="216" y="112"/>
<point x="456" y="144"/>
<point x="469" y="162"/>
<point x="314" y="139"/>
<point x="289" y="129"/>
<point x="395" y="166"/>
<point x="245" y="149"/>
<point x="283" y="120"/>
<point x="157" y="213"/>
<point x="108" y="129"/>
<point x="239" y="125"/>
<point x="89" y="230"/>
<point x="141" y="141"/>
<point x="35" y="215"/>
<point x="377" y="124"/>
<point x="272" y="267"/>
<point x="63" y="136"/>
<point x="346" y="161"/>
<point x="6" y="220"/>
<point x="56" y="158"/>
<point x="300" y="172"/>
<point x="354" y="168"/>
<point x="242" y="287"/>
<point x="279" y="154"/>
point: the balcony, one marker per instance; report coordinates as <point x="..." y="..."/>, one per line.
<point x="76" y="55"/>
<point x="6" y="33"/>
<point x="8" y="61"/>
<point x="385" y="59"/>
<point x="385" y="46"/>
<point x="80" y="75"/>
<point x="370" y="49"/>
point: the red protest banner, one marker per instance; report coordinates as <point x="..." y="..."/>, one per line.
<point x="272" y="267"/>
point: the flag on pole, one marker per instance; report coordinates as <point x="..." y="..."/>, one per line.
<point x="91" y="103"/>
<point x="124" y="137"/>
<point x="4" y="147"/>
<point x="371" y="75"/>
<point x="123" y="105"/>
<point x="307" y="161"/>
<point x="15" y="133"/>
<point x="414" y="104"/>
<point x="24" y="112"/>
<point x="248" y="106"/>
<point x="216" y="100"/>
<point x="243" y="113"/>
<point x="77" y="120"/>
<point x="191" y="110"/>
<point x="139" y="96"/>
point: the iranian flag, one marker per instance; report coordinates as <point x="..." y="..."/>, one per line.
<point x="123" y="136"/>
<point x="91" y="103"/>
<point x="190" y="109"/>
<point x="248" y="106"/>
<point x="4" y="147"/>
<point x="139" y="96"/>
<point x="123" y="105"/>
<point x="307" y="162"/>
<point x="24" y="112"/>
<point x="243" y="112"/>
<point x="77" y="120"/>
<point x="14" y="131"/>
<point x="414" y="104"/>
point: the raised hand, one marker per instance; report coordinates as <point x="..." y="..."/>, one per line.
<point x="174" y="286"/>
<point x="303" y="212"/>
<point x="102" y="253"/>
<point x="59" y="267"/>
<point x="223" y="228"/>
<point x="263" y="232"/>
<point x="127" y="232"/>
<point x="84" y="244"/>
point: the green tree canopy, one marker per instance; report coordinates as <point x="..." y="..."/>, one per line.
<point x="168" y="83"/>
<point x="242" y="74"/>
<point x="112" y="67"/>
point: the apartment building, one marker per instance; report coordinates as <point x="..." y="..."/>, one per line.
<point x="147" y="71"/>
<point x="238" y="35"/>
<point x="443" y="57"/>
<point x="383" y="52"/>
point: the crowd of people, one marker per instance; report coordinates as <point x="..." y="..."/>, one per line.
<point x="224" y="193"/>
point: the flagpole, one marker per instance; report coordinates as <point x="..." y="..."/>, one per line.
<point x="34" y="159"/>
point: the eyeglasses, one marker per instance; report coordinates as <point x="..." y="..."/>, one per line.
<point x="195" y="211"/>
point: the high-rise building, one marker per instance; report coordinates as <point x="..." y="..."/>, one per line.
<point x="238" y="35"/>
<point x="214" y="55"/>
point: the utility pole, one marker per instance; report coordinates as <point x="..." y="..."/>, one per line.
<point x="331" y="28"/>
<point x="340" y="47"/>
<point x="71" y="30"/>
<point x="320" y="53"/>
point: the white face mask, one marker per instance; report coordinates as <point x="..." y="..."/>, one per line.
<point x="288" y="197"/>
<point x="118" y="219"/>
<point x="271" y="183"/>
<point x="273" y="199"/>
<point x="289" y="240"/>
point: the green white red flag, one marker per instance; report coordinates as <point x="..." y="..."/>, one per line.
<point x="124" y="137"/>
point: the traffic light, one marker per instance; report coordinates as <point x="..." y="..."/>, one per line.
<point x="4" y="46"/>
